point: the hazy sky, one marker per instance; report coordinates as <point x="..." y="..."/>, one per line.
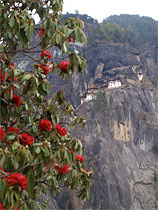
<point x="100" y="9"/>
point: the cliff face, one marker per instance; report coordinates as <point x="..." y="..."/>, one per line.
<point x="121" y="134"/>
<point x="120" y="143"/>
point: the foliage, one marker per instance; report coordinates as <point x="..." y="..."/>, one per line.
<point x="133" y="29"/>
<point x="37" y="150"/>
<point x="109" y="32"/>
<point x="144" y="29"/>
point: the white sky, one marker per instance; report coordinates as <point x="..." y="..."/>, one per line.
<point x="100" y="9"/>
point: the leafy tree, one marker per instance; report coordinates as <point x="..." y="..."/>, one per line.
<point x="37" y="150"/>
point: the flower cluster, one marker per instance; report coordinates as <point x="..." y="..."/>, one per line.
<point x="80" y="158"/>
<point x="62" y="170"/>
<point x="2" y="133"/>
<point x="45" y="68"/>
<point x="12" y="129"/>
<point x="16" y="100"/>
<point x="45" y="53"/>
<point x="64" y="65"/>
<point x="26" y="139"/>
<point x="41" y="32"/>
<point x="61" y="131"/>
<point x="45" y="125"/>
<point x="18" y="180"/>
<point x="2" y="207"/>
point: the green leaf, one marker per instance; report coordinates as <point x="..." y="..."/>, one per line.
<point x="1" y="48"/>
<point x="74" y="174"/>
<point x="68" y="155"/>
<point x="26" y="106"/>
<point x="5" y="15"/>
<point x="26" y="77"/>
<point x="38" y="149"/>
<point x="55" y="181"/>
<point x="11" y="137"/>
<point x="17" y="86"/>
<point x="31" y="183"/>
<point x="14" y="162"/>
<point x="12" y="22"/>
<point x="15" y="145"/>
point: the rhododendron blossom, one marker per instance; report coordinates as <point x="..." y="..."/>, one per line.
<point x="45" y="125"/>
<point x="2" y="207"/>
<point x="17" y="179"/>
<point x="70" y="40"/>
<point x="61" y="131"/>
<point x="26" y="139"/>
<point x="45" y="68"/>
<point x="64" y="65"/>
<point x="12" y="64"/>
<point x="12" y="129"/>
<point x="2" y="133"/>
<point x="80" y="157"/>
<point x="62" y="170"/>
<point x="41" y="32"/>
<point x="45" y="53"/>
<point x="16" y="100"/>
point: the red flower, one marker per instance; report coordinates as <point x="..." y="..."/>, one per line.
<point x="45" y="53"/>
<point x="16" y="100"/>
<point x="2" y="133"/>
<point x="12" y="129"/>
<point x="70" y="40"/>
<point x="2" y="76"/>
<point x="64" y="65"/>
<point x="60" y="130"/>
<point x="26" y="139"/>
<point x="80" y="157"/>
<point x="62" y="170"/>
<point x="17" y="179"/>
<point x="45" y="68"/>
<point x="12" y="64"/>
<point x="2" y="207"/>
<point x="45" y="125"/>
<point x="41" y="32"/>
